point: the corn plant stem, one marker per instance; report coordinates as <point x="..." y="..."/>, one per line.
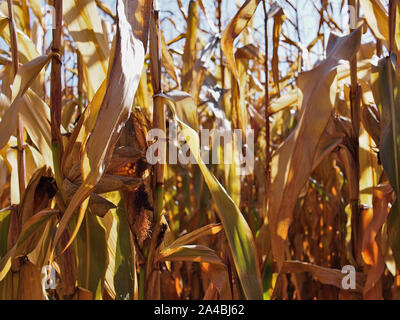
<point x="355" y="121"/>
<point x="299" y="55"/>
<point x="266" y="102"/>
<point x="158" y="123"/>
<point x="392" y="30"/>
<point x="21" y="157"/>
<point x="158" y="110"/>
<point x="219" y="17"/>
<point x="80" y="82"/>
<point x="379" y="48"/>
<point x="267" y="174"/>
<point x="13" y="37"/>
<point x="15" y="285"/>
<point x="141" y="283"/>
<point x="56" y="94"/>
<point x="392" y="25"/>
<point x="87" y="231"/>
<point x="135" y="293"/>
<point x="20" y="125"/>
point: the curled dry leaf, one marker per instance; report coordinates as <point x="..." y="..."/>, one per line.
<point x="23" y="80"/>
<point x="194" y="253"/>
<point x="329" y="276"/>
<point x="299" y="150"/>
<point x="84" y="25"/>
<point x="385" y="87"/>
<point x="124" y="75"/>
<point x="235" y="27"/>
<point x="372" y="252"/>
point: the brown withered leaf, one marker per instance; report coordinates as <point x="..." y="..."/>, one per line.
<point x="377" y="18"/>
<point x="372" y="252"/>
<point x="124" y="74"/>
<point x="37" y="194"/>
<point x="194" y="253"/>
<point x="110" y="183"/>
<point x="30" y="282"/>
<point x="84" y="25"/>
<point x="138" y="14"/>
<point x="279" y="18"/>
<point x="293" y="162"/>
<point x="82" y="294"/>
<point x="23" y="80"/>
<point x="67" y="266"/>
<point x="97" y="204"/>
<point x="238" y="232"/>
<point x="153" y="291"/>
<point x="218" y="276"/>
<point x="28" y="239"/>
<point x="189" y="238"/>
<point x="329" y="276"/>
<point x="235" y="27"/>
<point x="189" y="51"/>
<point x="167" y="60"/>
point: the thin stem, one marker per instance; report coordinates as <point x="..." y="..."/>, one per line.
<point x="159" y="112"/>
<point x="13" y="36"/>
<point x="56" y="94"/>
<point x="355" y="121"/>
<point x="392" y="25"/>
<point x="20" y="125"/>
<point x="80" y="82"/>
<point x="266" y="102"/>
<point x="158" y="123"/>
<point x="219" y="17"/>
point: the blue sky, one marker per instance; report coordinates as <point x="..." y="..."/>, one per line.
<point x="173" y="22"/>
<point x="308" y="18"/>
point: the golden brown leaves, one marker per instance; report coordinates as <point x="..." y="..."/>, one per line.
<point x="23" y="80"/>
<point x="238" y="233"/>
<point x="84" y="25"/>
<point x="125" y="71"/>
<point x="138" y="14"/>
<point x="293" y="163"/>
<point x="279" y="18"/>
<point x="235" y="27"/>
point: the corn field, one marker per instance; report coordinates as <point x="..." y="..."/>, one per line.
<point x="305" y="210"/>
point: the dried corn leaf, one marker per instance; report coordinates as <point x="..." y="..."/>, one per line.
<point x="84" y="25"/>
<point x="377" y="18"/>
<point x="329" y="276"/>
<point x="138" y="14"/>
<point x="236" y="228"/>
<point x="293" y="163"/>
<point x="385" y="87"/>
<point x="235" y="27"/>
<point x="125" y="73"/>
<point x="193" y="253"/>
<point x="23" y="80"/>
<point x="208" y="230"/>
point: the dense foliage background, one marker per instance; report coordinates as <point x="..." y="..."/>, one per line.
<point x="84" y="81"/>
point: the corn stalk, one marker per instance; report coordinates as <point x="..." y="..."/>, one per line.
<point x="158" y="123"/>
<point x="56" y="93"/>
<point x="20" y="125"/>
<point x="355" y="101"/>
